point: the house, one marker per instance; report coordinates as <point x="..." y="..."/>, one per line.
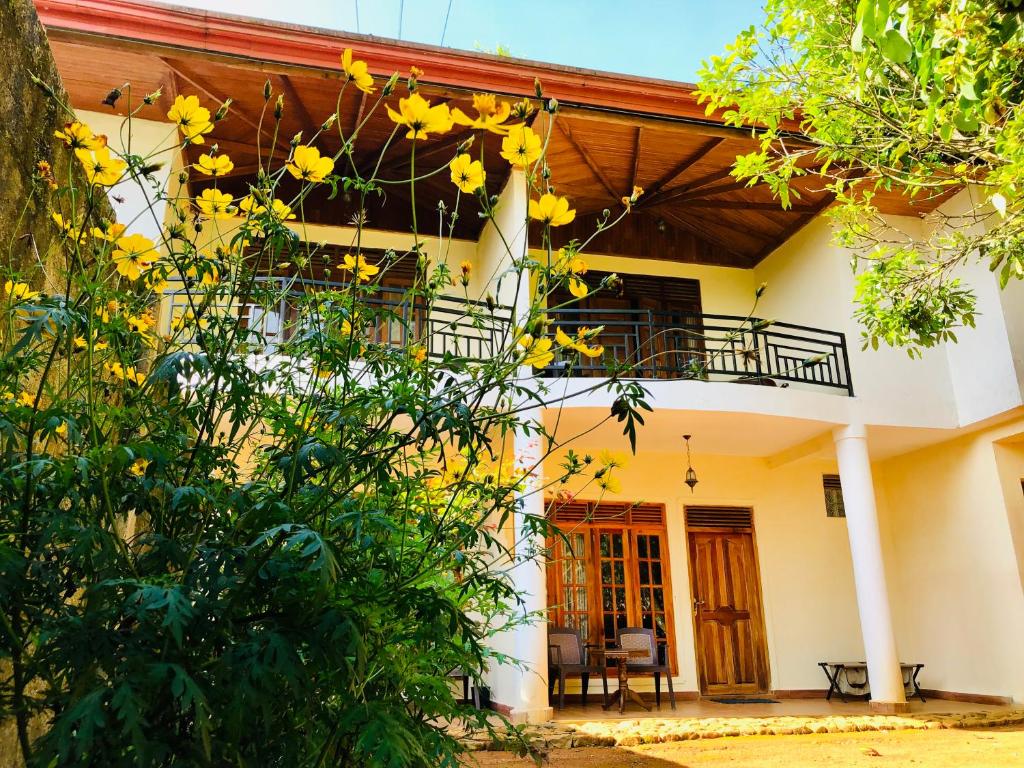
<point x="850" y="503"/>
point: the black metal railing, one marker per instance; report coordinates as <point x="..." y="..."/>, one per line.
<point x="672" y="345"/>
<point x="450" y="325"/>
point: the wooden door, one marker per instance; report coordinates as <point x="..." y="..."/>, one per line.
<point x="728" y="619"/>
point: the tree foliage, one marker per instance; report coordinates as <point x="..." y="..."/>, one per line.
<point x="225" y="548"/>
<point x="922" y="97"/>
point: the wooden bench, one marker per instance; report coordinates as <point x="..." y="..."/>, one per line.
<point x="838" y="672"/>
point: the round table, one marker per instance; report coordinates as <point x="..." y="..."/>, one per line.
<point x="621" y="659"/>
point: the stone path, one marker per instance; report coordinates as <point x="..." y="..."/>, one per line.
<point x="610" y="733"/>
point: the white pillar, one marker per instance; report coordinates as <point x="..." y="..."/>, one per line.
<point x="530" y="697"/>
<point x="887" y="693"/>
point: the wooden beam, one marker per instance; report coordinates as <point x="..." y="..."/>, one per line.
<point x="740" y="205"/>
<point x="447" y="144"/>
<point x="588" y="160"/>
<point x="683" y="165"/>
<point x="703" y="234"/>
<point x="357" y="117"/>
<point x="693" y="127"/>
<point x="636" y="157"/>
<point x="698" y="183"/>
<point x="795" y="226"/>
<point x="309" y="127"/>
<point x="211" y="94"/>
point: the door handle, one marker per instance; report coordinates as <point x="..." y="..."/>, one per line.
<point x="697" y="604"/>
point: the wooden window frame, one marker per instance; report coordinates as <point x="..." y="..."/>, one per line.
<point x="609" y="517"/>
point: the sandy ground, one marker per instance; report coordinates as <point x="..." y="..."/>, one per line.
<point x="989" y="748"/>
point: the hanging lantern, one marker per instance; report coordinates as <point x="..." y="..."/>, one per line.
<point x="691" y="476"/>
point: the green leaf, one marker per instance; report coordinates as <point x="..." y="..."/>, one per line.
<point x="895" y="46"/>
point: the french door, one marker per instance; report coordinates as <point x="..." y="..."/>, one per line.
<point x="603" y="577"/>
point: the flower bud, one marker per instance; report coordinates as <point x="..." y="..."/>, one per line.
<point x="150" y="98"/>
<point x="537" y="89"/>
<point x="329" y="122"/>
<point x="390" y="85"/>
<point x="223" y="110"/>
<point x="760" y="290"/>
<point x="552" y="106"/>
<point x="279" y="107"/>
<point x="266" y="90"/>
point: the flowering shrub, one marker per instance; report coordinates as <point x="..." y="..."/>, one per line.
<point x="220" y="550"/>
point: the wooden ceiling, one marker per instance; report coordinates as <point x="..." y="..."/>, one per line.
<point x="692" y="209"/>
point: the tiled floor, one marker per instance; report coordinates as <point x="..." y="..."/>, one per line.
<point x="786" y="707"/>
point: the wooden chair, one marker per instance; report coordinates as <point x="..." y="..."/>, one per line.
<point x="467" y="685"/>
<point x="567" y="656"/>
<point x="645" y="659"/>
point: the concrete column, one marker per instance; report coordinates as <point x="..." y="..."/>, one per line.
<point x="887" y="693"/>
<point x="530" y="696"/>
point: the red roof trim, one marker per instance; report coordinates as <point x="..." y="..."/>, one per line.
<point x="257" y="39"/>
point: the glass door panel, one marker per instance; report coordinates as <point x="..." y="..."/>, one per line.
<point x="612" y="549"/>
<point x="650" y="583"/>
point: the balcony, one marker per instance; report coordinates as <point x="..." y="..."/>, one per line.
<point x="679" y="345"/>
<point x="654" y="344"/>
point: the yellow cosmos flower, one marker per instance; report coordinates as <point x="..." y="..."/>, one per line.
<point x="134" y="255"/>
<point x="609" y="483"/>
<point x="349" y="327"/>
<point x="490" y="114"/>
<point x="466" y="268"/>
<point x="281" y="210"/>
<point x="416" y="114"/>
<point x="191" y="117"/>
<point x="67" y="229"/>
<point x="307" y="164"/>
<point x="578" y="288"/>
<point x="61" y="430"/>
<point x="211" y="165"/>
<point x="538" y="352"/>
<point x="467" y="174"/>
<point x="578" y="343"/>
<point x="140" y="323"/>
<point x="419" y="354"/>
<point x="206" y="272"/>
<point x="19" y="292"/>
<point x="215" y="204"/>
<point x="27" y="400"/>
<point x="551" y="210"/>
<point x="155" y="280"/>
<point x="357" y="72"/>
<point x="108" y="310"/>
<point x="186" y="319"/>
<point x="82" y="343"/>
<point x="100" y="167"/>
<point x="521" y="147"/>
<point x="138" y="467"/>
<point x="110" y="234"/>
<point x="360" y="268"/>
<point x="125" y="373"/>
<point x="80" y="136"/>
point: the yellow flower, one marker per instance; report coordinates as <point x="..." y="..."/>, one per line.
<point x="111" y="308"/>
<point x="611" y="460"/>
<point x="490" y="114"/>
<point x="82" y="343"/>
<point x="218" y="165"/>
<point x="80" y="136"/>
<point x="215" y="204"/>
<point x="155" y="280"/>
<point x="551" y="210"/>
<point x="466" y="268"/>
<point x="66" y="228"/>
<point x="307" y="165"/>
<point x="538" y="351"/>
<point x="27" y="400"/>
<point x="61" y="430"/>
<point x="140" y="323"/>
<point x="360" y="268"/>
<point x="111" y="234"/>
<point x="185" y="319"/>
<point x="467" y="174"/>
<point x="206" y="271"/>
<point x="100" y="167"/>
<point x="420" y="118"/>
<point x="609" y="483"/>
<point x="521" y="147"/>
<point x="125" y="373"/>
<point x="349" y="326"/>
<point x="357" y="72"/>
<point x="578" y="343"/>
<point x="419" y="354"/>
<point x="249" y="205"/>
<point x="578" y="288"/>
<point x="19" y="292"/>
<point x="138" y="467"/>
<point x="282" y="210"/>
<point x="133" y="256"/>
<point x="192" y="118"/>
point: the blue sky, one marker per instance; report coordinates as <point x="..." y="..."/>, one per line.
<point x="658" y="38"/>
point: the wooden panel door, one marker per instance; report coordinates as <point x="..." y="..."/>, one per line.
<point x="728" y="619"/>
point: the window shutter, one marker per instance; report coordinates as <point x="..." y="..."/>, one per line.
<point x="833" y="496"/>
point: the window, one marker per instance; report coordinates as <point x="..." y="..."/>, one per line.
<point x="833" y="496"/>
<point x="610" y="570"/>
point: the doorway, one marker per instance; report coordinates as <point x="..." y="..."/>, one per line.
<point x="728" y="617"/>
